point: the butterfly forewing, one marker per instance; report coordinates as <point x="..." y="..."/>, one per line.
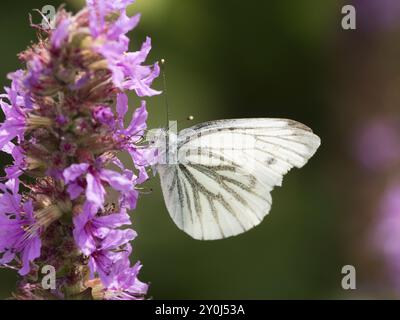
<point x="225" y="170"/>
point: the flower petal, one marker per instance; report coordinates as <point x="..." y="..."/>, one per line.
<point x="122" y="105"/>
<point x="83" y="239"/>
<point x="138" y="123"/>
<point x="74" y="190"/>
<point x="30" y="253"/>
<point x="116" y="180"/>
<point x="95" y="191"/>
<point x="74" y="171"/>
<point x="60" y="34"/>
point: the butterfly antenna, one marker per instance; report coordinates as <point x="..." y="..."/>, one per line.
<point x="163" y="63"/>
<point x="164" y="77"/>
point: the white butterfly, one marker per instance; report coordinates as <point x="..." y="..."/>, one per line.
<point x="216" y="177"/>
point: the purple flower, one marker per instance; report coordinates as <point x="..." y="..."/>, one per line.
<point x="123" y="25"/>
<point x="137" y="126"/>
<point x="139" y="77"/>
<point x="19" y="90"/>
<point x="19" y="232"/>
<point x="109" y="252"/>
<point x="19" y="165"/>
<point x="90" y="228"/>
<point x="95" y="176"/>
<point x="111" y="42"/>
<point x="126" y="285"/>
<point x="99" y="9"/>
<point x="99" y="238"/>
<point x="104" y="115"/>
<point x="127" y="138"/>
<point x="15" y="122"/>
<point x="129" y="199"/>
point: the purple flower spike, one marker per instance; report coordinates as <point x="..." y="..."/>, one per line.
<point x="64" y="130"/>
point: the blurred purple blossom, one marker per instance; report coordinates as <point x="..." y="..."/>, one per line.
<point x="378" y="144"/>
<point x="377" y="14"/>
<point x="387" y="237"/>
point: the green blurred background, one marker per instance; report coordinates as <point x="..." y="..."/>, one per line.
<point x="276" y="58"/>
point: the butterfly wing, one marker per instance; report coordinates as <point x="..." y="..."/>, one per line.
<point x="226" y="169"/>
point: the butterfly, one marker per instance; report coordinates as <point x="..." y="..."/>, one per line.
<point x="217" y="177"/>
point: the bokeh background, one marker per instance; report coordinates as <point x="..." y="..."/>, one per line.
<point x="276" y="58"/>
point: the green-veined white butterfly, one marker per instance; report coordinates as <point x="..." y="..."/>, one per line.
<point x="217" y="176"/>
